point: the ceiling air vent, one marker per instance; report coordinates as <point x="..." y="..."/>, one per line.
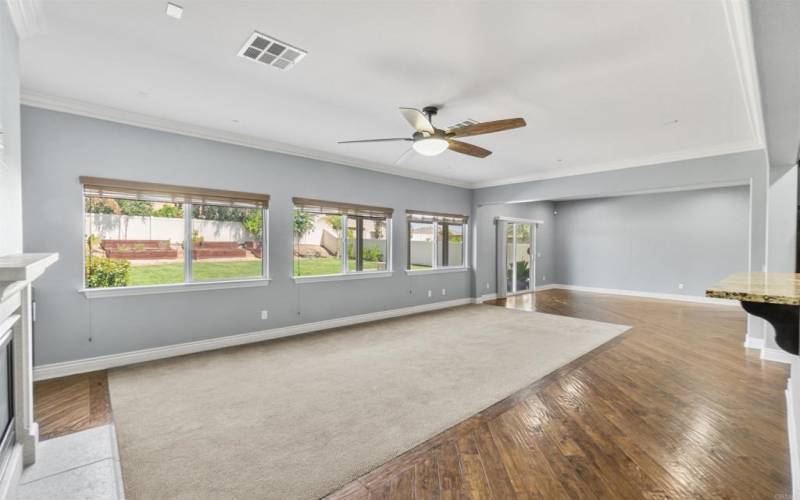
<point x="265" y="49"/>
<point x="463" y="124"/>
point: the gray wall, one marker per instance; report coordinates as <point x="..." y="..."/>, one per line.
<point x="653" y="242"/>
<point x="60" y="147"/>
<point x="10" y="177"/>
<point x="484" y="224"/>
<point x="738" y="168"/>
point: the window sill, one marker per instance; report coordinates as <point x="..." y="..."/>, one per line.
<point x="340" y="277"/>
<point x="417" y="272"/>
<point x="99" y="293"/>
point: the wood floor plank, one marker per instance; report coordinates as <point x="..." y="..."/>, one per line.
<point x="71" y="404"/>
<point x="427" y="479"/>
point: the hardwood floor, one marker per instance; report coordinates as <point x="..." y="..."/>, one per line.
<point x="673" y="408"/>
<point x="71" y="404"/>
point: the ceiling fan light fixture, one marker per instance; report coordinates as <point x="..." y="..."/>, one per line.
<point x="430" y="146"/>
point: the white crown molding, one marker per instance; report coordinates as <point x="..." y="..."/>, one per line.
<point x="643" y="161"/>
<point x="82" y="108"/>
<point x="740" y="31"/>
<point x="27" y="16"/>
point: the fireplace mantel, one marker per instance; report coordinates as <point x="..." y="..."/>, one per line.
<point x="17" y="272"/>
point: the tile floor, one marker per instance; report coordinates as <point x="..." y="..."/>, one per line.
<point x="83" y="465"/>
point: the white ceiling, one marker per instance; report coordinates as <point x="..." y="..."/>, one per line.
<point x="602" y="85"/>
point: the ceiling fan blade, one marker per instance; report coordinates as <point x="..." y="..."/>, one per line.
<point x="403" y="157"/>
<point x="417" y="120"/>
<point x="393" y="139"/>
<point x="467" y="149"/>
<point x="488" y="127"/>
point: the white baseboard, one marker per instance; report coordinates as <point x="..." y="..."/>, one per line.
<point x="791" y="426"/>
<point x="485" y="297"/>
<point x="10" y="475"/>
<point x="753" y="343"/>
<point x="126" y="358"/>
<point x="779" y="355"/>
<point x="649" y="295"/>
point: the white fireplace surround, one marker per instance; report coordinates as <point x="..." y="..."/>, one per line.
<point x="17" y="272"/>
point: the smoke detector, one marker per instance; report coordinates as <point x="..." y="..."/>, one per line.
<point x="267" y="50"/>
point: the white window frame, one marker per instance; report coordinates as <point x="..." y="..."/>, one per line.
<point x="346" y="273"/>
<point x="188" y="283"/>
<point x="435" y="267"/>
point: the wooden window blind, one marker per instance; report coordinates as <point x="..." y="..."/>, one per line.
<point x="96" y="187"/>
<point x="339" y="208"/>
<point x="421" y="216"/>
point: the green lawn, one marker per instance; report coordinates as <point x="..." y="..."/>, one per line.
<point x="162" y="274"/>
<point x="325" y="265"/>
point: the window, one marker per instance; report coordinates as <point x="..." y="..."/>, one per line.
<point x="333" y="238"/>
<point x="142" y="234"/>
<point x="436" y="240"/>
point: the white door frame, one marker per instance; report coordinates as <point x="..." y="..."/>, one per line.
<point x="513" y="221"/>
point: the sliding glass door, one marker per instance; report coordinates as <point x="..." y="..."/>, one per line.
<point x="519" y="265"/>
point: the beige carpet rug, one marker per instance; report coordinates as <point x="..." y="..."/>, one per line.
<point x="296" y="418"/>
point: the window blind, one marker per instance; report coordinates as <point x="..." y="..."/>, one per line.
<point x="338" y="208"/>
<point x="95" y="187"/>
<point x="420" y="216"/>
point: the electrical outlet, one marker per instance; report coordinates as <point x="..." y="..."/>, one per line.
<point x="487" y="285"/>
<point x="444" y="291"/>
<point x="544" y="278"/>
<point x="264" y="314"/>
<point x="430" y="293"/>
<point x="539" y="255"/>
<point x="680" y="286"/>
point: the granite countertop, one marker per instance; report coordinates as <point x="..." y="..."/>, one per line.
<point x="771" y="288"/>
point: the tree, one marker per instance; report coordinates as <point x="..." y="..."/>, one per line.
<point x="303" y="223"/>
<point x="135" y="207"/>
<point x="335" y="221"/>
<point x="254" y="223"/>
<point x="216" y="212"/>
<point x="172" y="211"/>
<point x="101" y="206"/>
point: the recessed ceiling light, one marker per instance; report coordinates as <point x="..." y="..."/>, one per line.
<point x="174" y="10"/>
<point x="270" y="51"/>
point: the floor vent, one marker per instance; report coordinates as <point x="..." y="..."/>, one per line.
<point x="265" y="49"/>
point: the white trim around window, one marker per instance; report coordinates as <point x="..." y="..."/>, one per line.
<point x="433" y="220"/>
<point x="186" y="198"/>
<point x="122" y="291"/>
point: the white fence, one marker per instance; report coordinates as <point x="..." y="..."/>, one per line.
<point x="422" y="253"/>
<point x="133" y="227"/>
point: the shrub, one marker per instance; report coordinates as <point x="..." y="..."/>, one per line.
<point x="373" y="254"/>
<point x="102" y="272"/>
<point x="92" y="242"/>
<point x="172" y="211"/>
<point x="197" y="238"/>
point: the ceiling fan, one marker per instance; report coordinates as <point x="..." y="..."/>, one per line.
<point x="428" y="140"/>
